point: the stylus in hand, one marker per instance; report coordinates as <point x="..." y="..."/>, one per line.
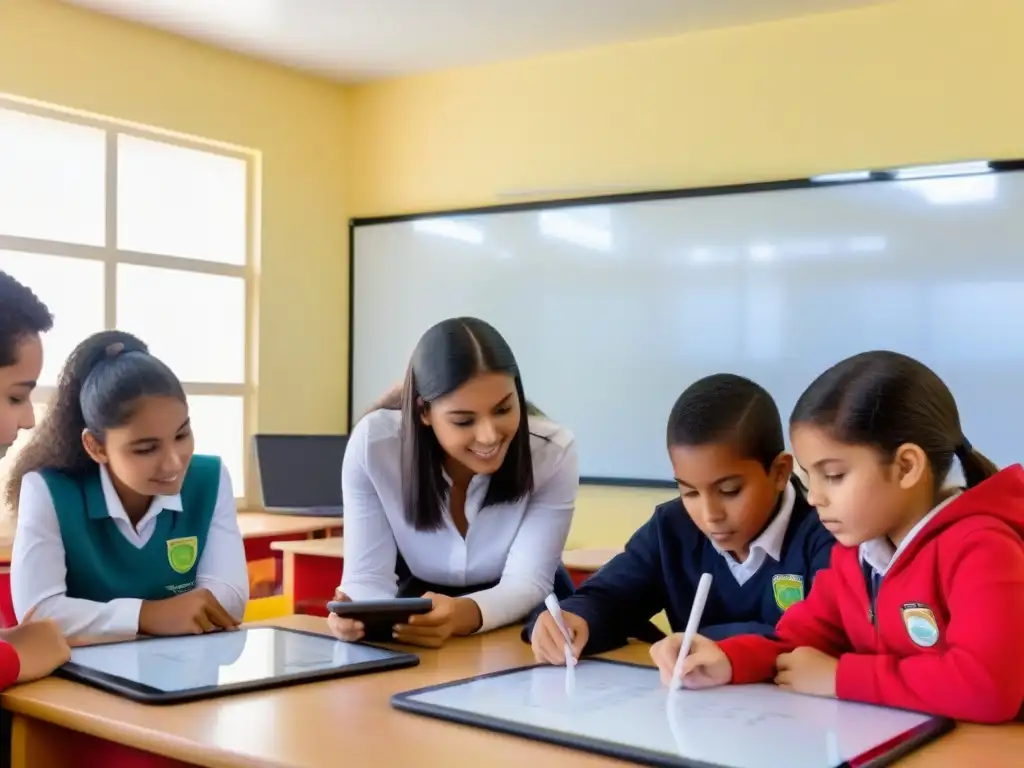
<point x="551" y="602"/>
<point x="696" y="611"/>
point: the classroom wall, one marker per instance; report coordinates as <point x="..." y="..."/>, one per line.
<point x="908" y="82"/>
<point x="70" y="57"/>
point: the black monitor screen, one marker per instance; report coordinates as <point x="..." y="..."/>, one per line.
<point x="300" y="471"/>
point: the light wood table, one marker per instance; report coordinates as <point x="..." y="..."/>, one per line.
<point x="351" y="722"/>
<point x="311" y="571"/>
<point x="581" y="563"/>
<point x="265" y="525"/>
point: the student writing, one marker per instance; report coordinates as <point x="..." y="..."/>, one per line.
<point x="739" y="516"/>
<point x="456" y="492"/>
<point x="33" y="649"/>
<point x="922" y="606"/>
<point x="121" y="530"/>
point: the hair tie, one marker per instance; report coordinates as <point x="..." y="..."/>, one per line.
<point x="115" y="349"/>
<point x="964" y="449"/>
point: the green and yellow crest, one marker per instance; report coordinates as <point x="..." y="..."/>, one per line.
<point x="182" y="553"/>
<point x="788" y="589"/>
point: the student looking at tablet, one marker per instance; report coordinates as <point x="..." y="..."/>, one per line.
<point x="922" y="607"/>
<point x="453" y="489"/>
<point x="121" y="530"/>
<point x="34" y="648"/>
<point x="739" y="516"/>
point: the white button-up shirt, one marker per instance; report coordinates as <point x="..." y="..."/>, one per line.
<point x="38" y="571"/>
<point x="518" y="544"/>
<point x="767" y="544"/>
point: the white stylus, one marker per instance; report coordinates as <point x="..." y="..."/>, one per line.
<point x="551" y="602"/>
<point x="696" y="611"/>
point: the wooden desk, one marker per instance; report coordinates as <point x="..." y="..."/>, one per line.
<point x="311" y="571"/>
<point x="261" y="529"/>
<point x="303" y="726"/>
<point x="580" y="563"/>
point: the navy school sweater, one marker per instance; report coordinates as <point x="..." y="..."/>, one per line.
<point x="660" y="568"/>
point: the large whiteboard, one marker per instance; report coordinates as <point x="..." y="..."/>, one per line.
<point x="614" y="308"/>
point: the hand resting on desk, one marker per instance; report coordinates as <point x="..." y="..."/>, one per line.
<point x="192" y="613"/>
<point x="40" y="646"/>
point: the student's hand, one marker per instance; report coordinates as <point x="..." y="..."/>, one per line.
<point x="449" y="616"/>
<point x="548" y="643"/>
<point x="192" y="613"/>
<point x="706" y="667"/>
<point x="348" y="630"/>
<point x="40" y="646"/>
<point x="807" y="670"/>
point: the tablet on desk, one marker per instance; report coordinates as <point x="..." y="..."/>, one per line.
<point x="622" y="710"/>
<point x="169" y="670"/>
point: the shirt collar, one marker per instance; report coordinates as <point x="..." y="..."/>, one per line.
<point x="880" y="554"/>
<point x="770" y="540"/>
<point x="115" y="508"/>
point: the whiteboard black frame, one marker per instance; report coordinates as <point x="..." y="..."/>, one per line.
<point x="823" y="180"/>
<point x="908" y="741"/>
<point x="145" y="694"/>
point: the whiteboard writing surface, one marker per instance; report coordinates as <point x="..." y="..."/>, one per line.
<point x="613" y="308"/>
<point x="623" y="710"/>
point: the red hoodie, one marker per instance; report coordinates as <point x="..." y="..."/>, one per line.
<point x="10" y="665"/>
<point x="958" y="584"/>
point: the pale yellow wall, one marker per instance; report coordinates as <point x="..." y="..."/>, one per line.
<point x="912" y="81"/>
<point x="59" y="54"/>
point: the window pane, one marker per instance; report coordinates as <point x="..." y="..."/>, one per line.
<point x="193" y="322"/>
<point x="8" y="461"/>
<point x="180" y="202"/>
<point x="52" y="179"/>
<point x="219" y="427"/>
<point x="73" y="291"/>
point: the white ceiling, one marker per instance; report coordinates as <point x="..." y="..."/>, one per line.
<point x="358" y="40"/>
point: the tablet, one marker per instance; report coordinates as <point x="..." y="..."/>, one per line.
<point x="622" y="710"/>
<point x="169" y="670"/>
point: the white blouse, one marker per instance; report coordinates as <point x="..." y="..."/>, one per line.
<point x="518" y="544"/>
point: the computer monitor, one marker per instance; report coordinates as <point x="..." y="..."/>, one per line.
<point x="301" y="474"/>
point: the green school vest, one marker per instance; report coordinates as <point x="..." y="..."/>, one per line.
<point x="102" y="565"/>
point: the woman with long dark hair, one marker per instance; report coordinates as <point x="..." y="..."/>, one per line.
<point x="456" y="489"/>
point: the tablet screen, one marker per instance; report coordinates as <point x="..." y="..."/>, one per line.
<point x="173" y="664"/>
<point x="624" y="708"/>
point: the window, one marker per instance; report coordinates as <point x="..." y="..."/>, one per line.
<point x="120" y="227"/>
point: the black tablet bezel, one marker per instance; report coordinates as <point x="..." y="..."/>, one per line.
<point x="907" y="741"/>
<point x="398" y="608"/>
<point x="145" y="694"/>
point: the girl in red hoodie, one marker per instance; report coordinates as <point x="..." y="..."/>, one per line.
<point x="922" y="606"/>
<point x="32" y="649"/>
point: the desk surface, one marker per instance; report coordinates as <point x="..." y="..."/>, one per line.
<point x="266" y="524"/>
<point x="326" y="723"/>
<point x="333" y="546"/>
<point x="587" y="559"/>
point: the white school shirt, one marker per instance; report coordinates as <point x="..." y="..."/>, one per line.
<point x="38" y="571"/>
<point x="518" y="544"/>
<point x="880" y="554"/>
<point x="767" y="544"/>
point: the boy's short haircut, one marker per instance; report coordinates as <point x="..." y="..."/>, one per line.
<point x="21" y="314"/>
<point x="726" y="408"/>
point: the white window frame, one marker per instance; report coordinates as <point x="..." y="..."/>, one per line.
<point x="110" y="255"/>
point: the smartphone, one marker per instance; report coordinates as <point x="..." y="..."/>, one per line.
<point x="379" y="616"/>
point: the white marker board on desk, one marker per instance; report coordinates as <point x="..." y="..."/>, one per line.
<point x="621" y="710"/>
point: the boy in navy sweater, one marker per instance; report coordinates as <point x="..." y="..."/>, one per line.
<point x="740" y="516"/>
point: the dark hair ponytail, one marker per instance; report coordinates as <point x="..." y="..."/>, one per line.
<point x="100" y="383"/>
<point x="884" y="400"/>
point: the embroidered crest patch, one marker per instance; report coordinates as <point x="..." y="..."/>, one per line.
<point x="921" y="624"/>
<point x="788" y="589"/>
<point x="182" y="553"/>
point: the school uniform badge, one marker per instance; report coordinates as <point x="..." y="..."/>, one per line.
<point x="182" y="553"/>
<point x="921" y="624"/>
<point x="788" y="589"/>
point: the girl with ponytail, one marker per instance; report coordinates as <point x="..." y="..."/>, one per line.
<point x="121" y="530"/>
<point x="922" y="607"/>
